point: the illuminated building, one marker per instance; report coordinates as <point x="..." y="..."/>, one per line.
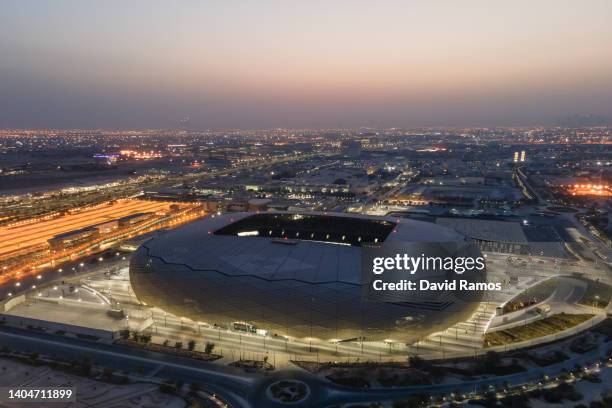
<point x="295" y="275"/>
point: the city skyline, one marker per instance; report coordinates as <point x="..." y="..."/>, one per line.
<point x="271" y="64"/>
<point x="275" y="203"/>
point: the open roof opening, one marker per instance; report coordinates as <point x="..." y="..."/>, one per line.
<point x="311" y="227"/>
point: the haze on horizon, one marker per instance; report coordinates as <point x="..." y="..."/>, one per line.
<point x="263" y="64"/>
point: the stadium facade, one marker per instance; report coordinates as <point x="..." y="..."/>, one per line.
<point x="294" y="275"/>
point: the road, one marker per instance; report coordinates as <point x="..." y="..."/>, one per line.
<point x="246" y="390"/>
<point x="232" y="385"/>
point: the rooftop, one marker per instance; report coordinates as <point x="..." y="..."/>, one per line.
<point x="213" y="244"/>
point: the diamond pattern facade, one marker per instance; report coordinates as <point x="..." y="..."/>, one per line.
<point x="306" y="289"/>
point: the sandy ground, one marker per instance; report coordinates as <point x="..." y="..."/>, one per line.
<point x="89" y="393"/>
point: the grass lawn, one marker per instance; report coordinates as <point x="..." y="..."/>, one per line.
<point x="550" y="325"/>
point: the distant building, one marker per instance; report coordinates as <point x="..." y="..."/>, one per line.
<point x="80" y="236"/>
<point x="490" y="235"/>
<point x="106" y="227"/>
<point x="134" y="219"/>
<point x="351" y="148"/>
<point x="72" y="238"/>
<point x="258" y="204"/>
<point x="520" y="157"/>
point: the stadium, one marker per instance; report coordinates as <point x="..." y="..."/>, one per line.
<point x="296" y="275"/>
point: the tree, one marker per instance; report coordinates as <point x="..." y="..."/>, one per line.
<point x="108" y="373"/>
<point x="209" y="347"/>
<point x="167" y="388"/>
<point x="194" y="387"/>
<point x="416" y="362"/>
<point x="191" y="345"/>
<point x="517" y="401"/>
<point x="491" y="360"/>
<point x="413" y="401"/>
<point x="86" y="365"/>
<point x="178" y="345"/>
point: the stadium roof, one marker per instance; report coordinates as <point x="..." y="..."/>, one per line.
<point x="272" y="258"/>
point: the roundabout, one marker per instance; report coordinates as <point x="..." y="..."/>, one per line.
<point x="288" y="391"/>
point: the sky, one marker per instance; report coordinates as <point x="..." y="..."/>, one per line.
<point x="262" y="64"/>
